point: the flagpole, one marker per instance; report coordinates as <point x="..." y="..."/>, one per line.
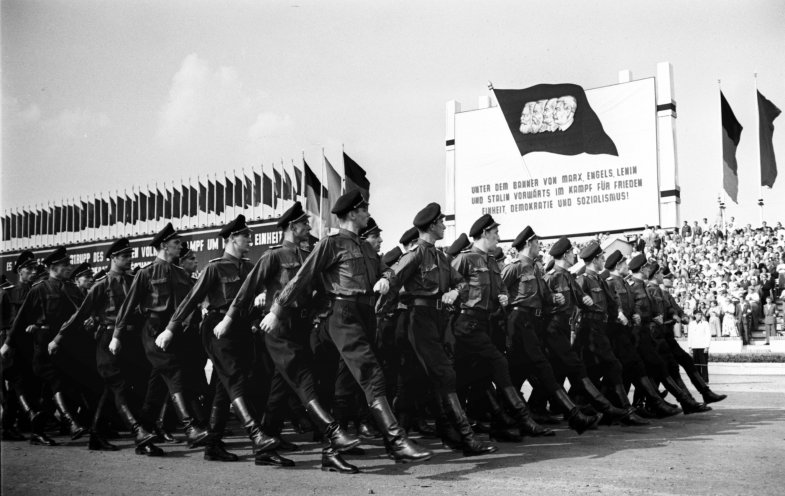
<point x="724" y="194"/>
<point x="760" y="168"/>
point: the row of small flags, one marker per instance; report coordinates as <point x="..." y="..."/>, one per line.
<point x="192" y="204"/>
<point x="731" y="135"/>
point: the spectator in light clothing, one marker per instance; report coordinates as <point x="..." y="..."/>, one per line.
<point x="698" y="340"/>
<point x="769" y="318"/>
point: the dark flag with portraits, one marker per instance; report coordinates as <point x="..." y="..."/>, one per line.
<point x="554" y="118"/>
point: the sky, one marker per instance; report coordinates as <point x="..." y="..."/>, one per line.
<point x="99" y="96"/>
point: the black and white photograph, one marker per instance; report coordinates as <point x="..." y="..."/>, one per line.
<point x="301" y="247"/>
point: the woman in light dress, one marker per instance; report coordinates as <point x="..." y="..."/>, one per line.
<point x="729" y="324"/>
<point x="715" y="324"/>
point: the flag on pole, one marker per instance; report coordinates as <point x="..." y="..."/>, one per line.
<point x="210" y="196"/>
<point x="355" y="177"/>
<point x="247" y="192"/>
<point x="220" y="204"/>
<point x="267" y="189"/>
<point x="313" y="188"/>
<point x="277" y="187"/>
<point x="731" y="133"/>
<point x="767" y="112"/>
<point x="287" y="185"/>
<point x="257" y="189"/>
<point x="238" y="191"/>
<point x="229" y="192"/>
<point x="333" y="186"/>
<point x="298" y="179"/>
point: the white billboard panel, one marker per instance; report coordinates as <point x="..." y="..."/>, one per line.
<point x="561" y="194"/>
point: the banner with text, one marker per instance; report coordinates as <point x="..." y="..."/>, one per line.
<point x="559" y="193"/>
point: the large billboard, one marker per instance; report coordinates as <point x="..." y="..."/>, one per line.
<point x="561" y="160"/>
<point x="206" y="243"/>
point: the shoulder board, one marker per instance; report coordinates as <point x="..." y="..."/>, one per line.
<point x="145" y="266"/>
<point x="178" y="267"/>
<point x="38" y="283"/>
<point x="467" y="250"/>
<point x="275" y="247"/>
<point x="102" y="278"/>
<point x="216" y="260"/>
<point x="245" y="259"/>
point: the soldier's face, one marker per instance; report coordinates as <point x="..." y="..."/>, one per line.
<point x="492" y="237"/>
<point x="242" y="242"/>
<point x="173" y="246"/>
<point x="623" y="268"/>
<point x="62" y="270"/>
<point x="438" y="229"/>
<point x="26" y="273"/>
<point x="361" y="217"/>
<point x="123" y="261"/>
<point x="375" y="240"/>
<point x="300" y="231"/>
<point x="189" y="263"/>
<point x="85" y="282"/>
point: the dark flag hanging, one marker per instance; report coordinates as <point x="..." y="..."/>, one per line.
<point x="298" y="179"/>
<point x="151" y="197"/>
<point x="731" y="133"/>
<point x="313" y="189"/>
<point x="220" y="204"/>
<point x="142" y="206"/>
<point x="121" y="206"/>
<point x="257" y="189"/>
<point x="356" y="177"/>
<point x="13" y="225"/>
<point x="104" y="212"/>
<point x="238" y="192"/>
<point x="210" y="196"/>
<point x="287" y="186"/>
<point x="767" y="112"/>
<point x="83" y="216"/>
<point x="58" y="220"/>
<point x="229" y="192"/>
<point x="277" y="187"/>
<point x="248" y="193"/>
<point x="91" y="214"/>
<point x="159" y="204"/>
<point x="131" y="210"/>
<point x="196" y="202"/>
<point x="180" y="202"/>
<point x="554" y="118"/>
<point x="267" y="190"/>
<point x="167" y="204"/>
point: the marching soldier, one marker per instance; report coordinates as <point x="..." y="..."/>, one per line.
<point x="557" y="335"/>
<point x="593" y="334"/>
<point x="289" y="345"/>
<point x="480" y="298"/>
<point x="230" y="351"/>
<point x="157" y="289"/>
<point x="530" y="299"/>
<point x="430" y="282"/>
<point x="102" y="303"/>
<point x="351" y="272"/>
<point x="48" y="304"/>
<point x="624" y="337"/>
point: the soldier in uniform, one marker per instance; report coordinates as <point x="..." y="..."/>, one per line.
<point x="49" y="303"/>
<point x="557" y="336"/>
<point x="351" y="273"/>
<point x="530" y="298"/>
<point x="624" y="337"/>
<point x="102" y="304"/>
<point x="230" y="351"/>
<point x="157" y="289"/>
<point x="657" y="358"/>
<point x="430" y="282"/>
<point x="601" y="363"/>
<point x="11" y="408"/>
<point x="480" y="298"/>
<point x="289" y="345"/>
<point x="683" y="358"/>
<point x="83" y="278"/>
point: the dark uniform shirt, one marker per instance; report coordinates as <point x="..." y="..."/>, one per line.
<point x="643" y="302"/>
<point x="562" y="282"/>
<point x="525" y="285"/>
<point x="603" y="300"/>
<point x="49" y="303"/>
<point x="217" y="286"/>
<point x="278" y="266"/>
<point x="625" y="297"/>
<point x="17" y="296"/>
<point x="671" y="307"/>
<point x="348" y="266"/>
<point x="484" y="280"/>
<point x="102" y="301"/>
<point x="157" y="290"/>
<point x="424" y="272"/>
<point x="657" y="300"/>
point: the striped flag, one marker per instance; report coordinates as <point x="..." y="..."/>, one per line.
<point x="767" y="112"/>
<point x="731" y="133"/>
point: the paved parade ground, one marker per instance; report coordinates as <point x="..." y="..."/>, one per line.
<point x="739" y="448"/>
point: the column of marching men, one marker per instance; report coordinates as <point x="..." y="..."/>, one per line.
<point x="419" y="339"/>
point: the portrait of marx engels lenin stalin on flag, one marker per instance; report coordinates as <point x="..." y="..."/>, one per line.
<point x="548" y="115"/>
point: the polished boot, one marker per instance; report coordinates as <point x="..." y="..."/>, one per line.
<point x="141" y="435"/>
<point x="149" y="449"/>
<point x="97" y="441"/>
<point x="271" y="457"/>
<point x="450" y="437"/>
<point x="367" y="430"/>
<point x="424" y="428"/>
<point x="501" y="423"/>
<point x="685" y="399"/>
<point x="600" y="402"/>
<point x="577" y="421"/>
<point x="332" y="461"/>
<point x="37" y="424"/>
<point x="195" y="434"/>
<point x="709" y="396"/>
<point x="163" y="435"/>
<point x="653" y="401"/>
<point x="68" y="415"/>
<point x="523" y="418"/>
<point x="631" y="418"/>
<point x="215" y="451"/>
<point x="339" y="439"/>
<point x="261" y="441"/>
<point x="272" y="425"/>
<point x="400" y="447"/>
<point x="471" y="446"/>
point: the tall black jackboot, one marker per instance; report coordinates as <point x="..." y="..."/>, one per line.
<point x="38" y="435"/>
<point x="141" y="435"/>
<point x="164" y="436"/>
<point x="69" y="416"/>
<point x="685" y="399"/>
<point x="97" y="441"/>
<point x="260" y="440"/>
<point x="470" y="445"/>
<point x="272" y="425"/>
<point x="631" y="418"/>
<point x="339" y="439"/>
<point x="400" y="447"/>
<point x="196" y="434"/>
<point x="501" y="422"/>
<point x="577" y="421"/>
<point x="600" y="402"/>
<point x="332" y="461"/>
<point x="523" y="418"/>
<point x="709" y="396"/>
<point x="214" y="448"/>
<point x="654" y="401"/>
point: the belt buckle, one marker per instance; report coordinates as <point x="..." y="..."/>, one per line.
<point x="439" y="304"/>
<point x="538" y="312"/>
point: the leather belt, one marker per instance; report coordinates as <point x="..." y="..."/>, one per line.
<point x="594" y="317"/>
<point x="476" y="313"/>
<point x="361" y="299"/>
<point x="427" y="302"/>
<point x="536" y="312"/>
<point x="217" y="310"/>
